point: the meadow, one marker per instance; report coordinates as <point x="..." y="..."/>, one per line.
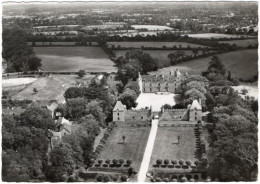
<point x="215" y="35"/>
<point x="152" y="27"/>
<point x="17" y="81"/>
<point x="242" y="43"/>
<point x="133" y="148"/>
<point x="241" y="64"/>
<point x="153" y="44"/>
<point x="165" y="146"/>
<point x="73" y="59"/>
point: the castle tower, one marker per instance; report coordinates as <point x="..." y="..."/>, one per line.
<point x="195" y="111"/>
<point x="119" y="112"/>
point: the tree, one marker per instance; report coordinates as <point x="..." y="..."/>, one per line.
<point x="244" y="91"/>
<point x="76" y="107"/>
<point x="128" y="98"/>
<point x="81" y="73"/>
<point x="35" y="90"/>
<point x="195" y="51"/>
<point x="34" y="63"/>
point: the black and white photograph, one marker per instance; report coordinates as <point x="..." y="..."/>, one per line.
<point x="129" y="91"/>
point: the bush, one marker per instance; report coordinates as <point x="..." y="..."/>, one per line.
<point x="166" y="179"/>
<point x="126" y="165"/>
<point x="97" y="165"/>
<point x="100" y="178"/>
<point x="174" y="162"/>
<point x="121" y="161"/>
<point x="106" y="179"/>
<point x="92" y="160"/>
<point x="196" y="162"/>
<point x="158" y="179"/>
<point x="166" y="162"/>
<point x="115" y="161"/>
<point x="123" y="178"/>
<point x="174" y="180"/>
<point x="188" y="163"/>
<point x="181" y="162"/>
<point x="159" y="162"/>
<point x="100" y="161"/>
<point x="191" y="180"/>
<point x="105" y="165"/>
<point x="170" y="166"/>
<point x="115" y="178"/>
<point x="71" y="178"/>
<point x="129" y="162"/>
<point x="184" y="179"/>
<point x="108" y="161"/>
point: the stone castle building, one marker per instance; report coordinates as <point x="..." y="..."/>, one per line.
<point x="162" y="83"/>
<point x="192" y="113"/>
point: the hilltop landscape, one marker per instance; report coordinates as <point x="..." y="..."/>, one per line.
<point x="130" y="92"/>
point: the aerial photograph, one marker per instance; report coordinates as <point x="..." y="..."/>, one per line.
<point x="129" y="91"/>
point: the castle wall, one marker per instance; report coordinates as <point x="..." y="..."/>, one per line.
<point x="163" y="86"/>
<point x="118" y="116"/>
<point x="137" y="115"/>
<point x="175" y="115"/>
<point x="195" y="115"/>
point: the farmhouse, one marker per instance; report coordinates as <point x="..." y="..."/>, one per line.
<point x="162" y="83"/>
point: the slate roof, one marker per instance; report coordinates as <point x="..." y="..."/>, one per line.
<point x="119" y="106"/>
<point x="195" y="104"/>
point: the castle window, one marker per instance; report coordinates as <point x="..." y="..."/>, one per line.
<point x="195" y="113"/>
<point x="133" y="117"/>
<point x="151" y="89"/>
<point x="180" y="117"/>
<point x="118" y="114"/>
<point x="142" y="117"/>
<point x="118" y="118"/>
<point x="195" y="118"/>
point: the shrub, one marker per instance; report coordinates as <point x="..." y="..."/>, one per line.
<point x="174" y="162"/>
<point x="181" y="162"/>
<point x="170" y="166"/>
<point x="115" y="178"/>
<point x="166" y="162"/>
<point x="121" y="161"/>
<point x="204" y="160"/>
<point x="97" y="151"/>
<point x="184" y="179"/>
<point x="174" y="180"/>
<point x="100" y="178"/>
<point x="177" y="166"/>
<point x="97" y="165"/>
<point x="204" y="176"/>
<point x="106" y="178"/>
<point x="163" y="166"/>
<point x="196" y="177"/>
<point x="92" y="160"/>
<point x="123" y="178"/>
<point x="158" y="179"/>
<point x="191" y="180"/>
<point x="126" y="165"/>
<point x="129" y="162"/>
<point x="196" y="162"/>
<point x="108" y="161"/>
<point x="100" y="161"/>
<point x="166" y="179"/>
<point x="188" y="163"/>
<point x="71" y="178"/>
<point x="115" y="161"/>
<point x="105" y="165"/>
<point x="159" y="162"/>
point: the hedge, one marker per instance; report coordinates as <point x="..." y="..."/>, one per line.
<point x="159" y="162"/>
<point x="129" y="162"/>
<point x="174" y="162"/>
<point x="106" y="178"/>
<point x="123" y="178"/>
<point x="166" y="162"/>
<point x="108" y="161"/>
<point x="100" y="178"/>
<point x="121" y="161"/>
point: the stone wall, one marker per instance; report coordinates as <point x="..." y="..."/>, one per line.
<point x="195" y="115"/>
<point x="137" y="115"/>
<point x="175" y="115"/>
<point x="118" y="115"/>
<point x="171" y="86"/>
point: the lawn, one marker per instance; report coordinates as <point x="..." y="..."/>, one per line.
<point x="242" y="64"/>
<point x="134" y="147"/>
<point x="73" y="59"/>
<point x="242" y="43"/>
<point x="153" y="44"/>
<point x="50" y="88"/>
<point x="165" y="146"/>
<point x="155" y="100"/>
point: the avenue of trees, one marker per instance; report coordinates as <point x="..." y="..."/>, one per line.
<point x="18" y="55"/>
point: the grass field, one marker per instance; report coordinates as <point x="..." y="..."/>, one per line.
<point x="242" y="64"/>
<point x="242" y="43"/>
<point x="152" y="27"/>
<point x="73" y="59"/>
<point x="165" y="147"/>
<point x="134" y="147"/>
<point x="252" y="89"/>
<point x="17" y="81"/>
<point x="153" y="44"/>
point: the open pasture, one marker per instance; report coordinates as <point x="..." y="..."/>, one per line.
<point x="166" y="147"/>
<point x="133" y="148"/>
<point x="153" y="44"/>
<point x="241" y="64"/>
<point x="242" y="43"/>
<point x="73" y="59"/>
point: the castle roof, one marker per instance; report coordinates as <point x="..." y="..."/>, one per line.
<point x="119" y="106"/>
<point x="195" y="105"/>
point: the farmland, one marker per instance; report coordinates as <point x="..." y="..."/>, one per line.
<point x="73" y="59"/>
<point x="153" y="44"/>
<point x="17" y="81"/>
<point x="214" y="35"/>
<point x="242" y="43"/>
<point x="151" y="27"/>
<point x="165" y="146"/>
<point x="236" y="62"/>
<point x="133" y="148"/>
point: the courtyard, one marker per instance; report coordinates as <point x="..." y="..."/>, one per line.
<point x="156" y="101"/>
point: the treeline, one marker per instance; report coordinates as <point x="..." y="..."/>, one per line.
<point x="18" y="55"/>
<point x="233" y="146"/>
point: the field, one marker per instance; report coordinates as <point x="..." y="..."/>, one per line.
<point x="242" y="64"/>
<point x="134" y="147"/>
<point x="252" y="89"/>
<point x="214" y="35"/>
<point x="165" y="146"/>
<point x="73" y="59"/>
<point x="51" y="88"/>
<point x="161" y="55"/>
<point x="153" y="44"/>
<point x="154" y="100"/>
<point x="152" y="27"/>
<point x="242" y="43"/>
<point x="17" y="81"/>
